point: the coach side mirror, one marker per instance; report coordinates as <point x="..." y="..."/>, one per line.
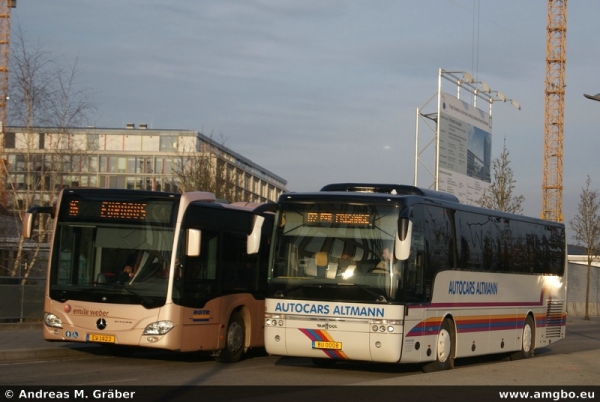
<point x="403" y="239"/>
<point x="27" y="228"/>
<point x="193" y="241"/>
<point x="253" y="244"/>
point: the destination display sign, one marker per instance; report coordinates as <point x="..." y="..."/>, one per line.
<point x="333" y="218"/>
<point x="96" y="210"/>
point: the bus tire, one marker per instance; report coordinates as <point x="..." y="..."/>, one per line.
<point x="527" y="340"/>
<point x="444" y="351"/>
<point x="234" y="340"/>
<point x="324" y="363"/>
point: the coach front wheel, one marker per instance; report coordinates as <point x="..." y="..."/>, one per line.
<point x="444" y="351"/>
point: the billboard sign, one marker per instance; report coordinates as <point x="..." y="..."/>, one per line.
<point x="465" y="138"/>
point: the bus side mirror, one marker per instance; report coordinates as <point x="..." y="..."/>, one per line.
<point x="29" y="219"/>
<point x="193" y="240"/>
<point x="27" y="228"/>
<point x="253" y="244"/>
<point x="403" y="239"/>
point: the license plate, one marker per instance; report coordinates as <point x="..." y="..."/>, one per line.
<point x="100" y="338"/>
<point x="327" y="345"/>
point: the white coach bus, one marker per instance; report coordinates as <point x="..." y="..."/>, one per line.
<point x="399" y="274"/>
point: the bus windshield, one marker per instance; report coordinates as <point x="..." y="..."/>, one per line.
<point x="120" y="256"/>
<point x="335" y="252"/>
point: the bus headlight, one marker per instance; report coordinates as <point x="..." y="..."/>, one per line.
<point x="52" y="321"/>
<point x="387" y="326"/>
<point x="273" y="320"/>
<point x="158" y="328"/>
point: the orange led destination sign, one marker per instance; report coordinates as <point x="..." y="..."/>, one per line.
<point x="146" y="210"/>
<point x="123" y="210"/>
<point x="113" y="210"/>
<point x="354" y="219"/>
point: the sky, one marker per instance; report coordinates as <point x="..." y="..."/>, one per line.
<point x="325" y="91"/>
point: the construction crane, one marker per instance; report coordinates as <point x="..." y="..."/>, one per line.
<point x="554" y="110"/>
<point x="5" y="6"/>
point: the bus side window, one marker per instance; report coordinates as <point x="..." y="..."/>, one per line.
<point x="232" y="261"/>
<point x="196" y="281"/>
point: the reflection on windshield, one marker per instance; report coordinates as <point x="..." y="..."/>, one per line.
<point x="133" y="257"/>
<point x="341" y="252"/>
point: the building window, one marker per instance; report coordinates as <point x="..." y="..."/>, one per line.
<point x="168" y="143"/>
<point x="158" y="165"/>
<point x="131" y="165"/>
<point x="42" y="137"/>
<point x="116" y="182"/>
<point x="93" y="142"/>
<point x="121" y="165"/>
<point x="9" y="140"/>
<point x="112" y="164"/>
<point x="93" y="164"/>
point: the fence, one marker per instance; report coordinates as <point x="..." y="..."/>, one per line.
<point x="21" y="299"/>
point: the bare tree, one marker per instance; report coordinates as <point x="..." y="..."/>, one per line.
<point x="202" y="166"/>
<point x="586" y="228"/>
<point x="500" y="194"/>
<point x="45" y="104"/>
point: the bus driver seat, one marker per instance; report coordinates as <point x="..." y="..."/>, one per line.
<point x="322" y="262"/>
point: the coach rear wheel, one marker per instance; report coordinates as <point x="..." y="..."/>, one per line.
<point x="527" y="340"/>
<point x="234" y="340"/>
<point x="444" y="351"/>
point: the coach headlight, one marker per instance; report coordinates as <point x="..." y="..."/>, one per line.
<point x="52" y="321"/>
<point x="273" y="320"/>
<point x="158" y="327"/>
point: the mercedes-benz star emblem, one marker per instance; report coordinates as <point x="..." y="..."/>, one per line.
<point x="101" y="323"/>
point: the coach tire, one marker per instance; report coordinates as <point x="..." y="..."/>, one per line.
<point x="234" y="340"/>
<point x="527" y="340"/>
<point x="444" y="351"/>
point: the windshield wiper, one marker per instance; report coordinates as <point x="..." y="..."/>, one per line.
<point x="283" y="292"/>
<point x="145" y="301"/>
<point x="378" y="297"/>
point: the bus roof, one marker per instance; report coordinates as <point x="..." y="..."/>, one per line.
<point x="400" y="194"/>
<point x="120" y="191"/>
<point x="394" y="189"/>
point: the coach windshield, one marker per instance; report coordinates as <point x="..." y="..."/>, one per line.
<point x="336" y="252"/>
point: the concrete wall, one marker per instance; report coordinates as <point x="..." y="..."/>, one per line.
<point x="576" y="287"/>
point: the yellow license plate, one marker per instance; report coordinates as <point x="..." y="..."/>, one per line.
<point x="327" y="345"/>
<point x="100" y="338"/>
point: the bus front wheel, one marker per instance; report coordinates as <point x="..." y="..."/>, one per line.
<point x="234" y="340"/>
<point x="527" y="341"/>
<point x="444" y="351"/>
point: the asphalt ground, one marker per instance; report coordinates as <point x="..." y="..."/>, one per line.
<point x="23" y="342"/>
